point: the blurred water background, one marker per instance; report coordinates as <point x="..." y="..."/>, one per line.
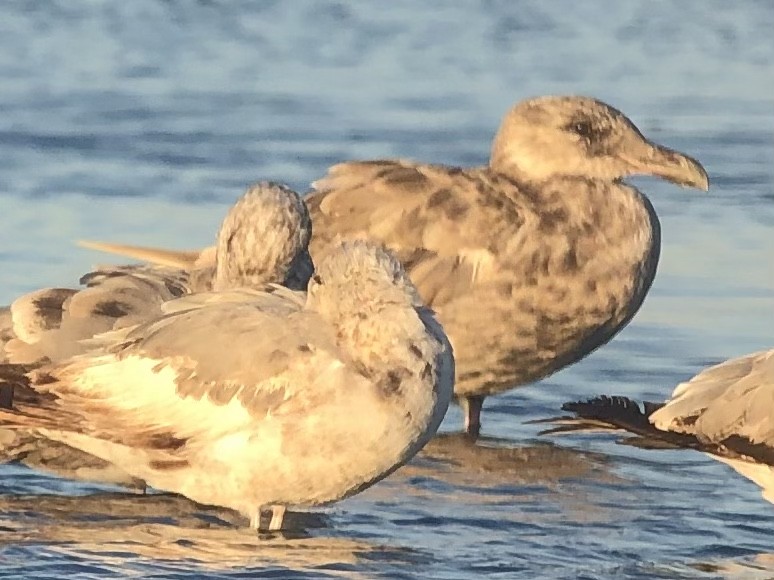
<point x="142" y="121"/>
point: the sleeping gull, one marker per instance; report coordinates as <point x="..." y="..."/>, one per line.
<point x="726" y="411"/>
<point x="276" y="398"/>
<point x="263" y="238"/>
<point x="530" y="262"/>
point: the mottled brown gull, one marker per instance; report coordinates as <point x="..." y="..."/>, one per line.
<point x="530" y="262"/>
<point x="263" y="238"/>
<point x="280" y="398"/>
<point x="727" y="411"/>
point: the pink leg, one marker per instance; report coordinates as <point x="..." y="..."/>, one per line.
<point x="277" y="517"/>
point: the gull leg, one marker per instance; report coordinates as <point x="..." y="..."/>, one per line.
<point x="255" y="520"/>
<point x="277" y="516"/>
<point x="471" y="407"/>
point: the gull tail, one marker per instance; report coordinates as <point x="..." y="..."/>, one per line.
<point x="183" y="259"/>
<point x="618" y="413"/>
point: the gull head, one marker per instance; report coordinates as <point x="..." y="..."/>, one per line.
<point x="569" y="136"/>
<point x="264" y="238"/>
<point x="360" y="279"/>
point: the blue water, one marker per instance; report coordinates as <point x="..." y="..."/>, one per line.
<point x="142" y="121"/>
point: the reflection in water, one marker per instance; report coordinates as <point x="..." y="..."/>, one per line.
<point x="492" y="462"/>
<point x="116" y="508"/>
<point x="538" y="488"/>
<point x="453" y="471"/>
<point x="117" y="529"/>
<point x="758" y="567"/>
<point x="477" y="469"/>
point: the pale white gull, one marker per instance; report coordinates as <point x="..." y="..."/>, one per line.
<point x="274" y="398"/>
<point x="532" y="261"/>
<point x="727" y="410"/>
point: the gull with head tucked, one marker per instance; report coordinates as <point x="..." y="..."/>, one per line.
<point x="265" y="398"/>
<point x="532" y="261"/>
<point x="264" y="238"/>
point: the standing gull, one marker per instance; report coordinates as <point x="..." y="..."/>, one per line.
<point x="264" y="238"/>
<point x="727" y="411"/>
<point x="273" y="399"/>
<point x="532" y="261"/>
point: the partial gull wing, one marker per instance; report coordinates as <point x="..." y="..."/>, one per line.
<point x="733" y="398"/>
<point x="200" y="370"/>
<point x="49" y="324"/>
<point x="726" y="410"/>
<point x="271" y="298"/>
<point x="185" y="260"/>
<point x="446" y="223"/>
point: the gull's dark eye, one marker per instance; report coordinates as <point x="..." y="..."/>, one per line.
<point x="582" y="128"/>
<point x="316" y="278"/>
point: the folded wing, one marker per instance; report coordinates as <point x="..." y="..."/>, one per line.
<point x="734" y="398"/>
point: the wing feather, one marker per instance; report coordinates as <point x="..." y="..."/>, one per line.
<point x="181" y="259"/>
<point x="209" y="371"/>
<point x="425" y="214"/>
<point x="50" y="324"/>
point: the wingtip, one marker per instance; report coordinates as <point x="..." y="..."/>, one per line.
<point x="171" y="258"/>
<point x="93" y="245"/>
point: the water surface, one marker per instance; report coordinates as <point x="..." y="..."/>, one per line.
<point x="144" y="120"/>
